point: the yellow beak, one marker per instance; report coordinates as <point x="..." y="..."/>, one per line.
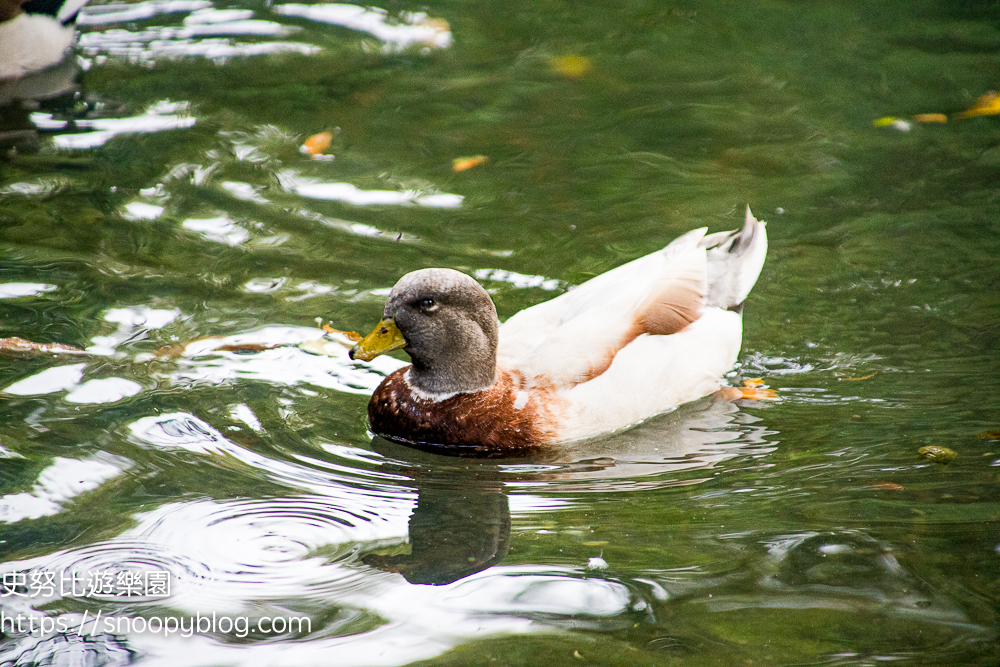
<point x="386" y="337"/>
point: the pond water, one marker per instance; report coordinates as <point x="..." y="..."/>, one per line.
<point x="165" y="199"/>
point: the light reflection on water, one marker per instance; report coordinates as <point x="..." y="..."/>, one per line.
<point x="327" y="539"/>
<point x="323" y="542"/>
<point x="370" y="535"/>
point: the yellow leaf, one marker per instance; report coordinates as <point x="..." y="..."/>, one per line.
<point x="463" y="163"/>
<point x="350" y="335"/>
<point x="930" y="118"/>
<point x="885" y="122"/>
<point x="570" y="66"/>
<point x="317" y="143"/>
<point x="986" y="105"/>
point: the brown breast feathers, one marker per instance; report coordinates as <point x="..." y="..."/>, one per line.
<point x="480" y="423"/>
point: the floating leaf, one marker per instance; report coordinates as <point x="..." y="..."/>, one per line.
<point x="887" y="486"/>
<point x="176" y="350"/>
<point x="463" y="163"/>
<point x="350" y="335"/>
<point x="930" y="118"/>
<point x="317" y="143"/>
<point x="22" y="347"/>
<point x="989" y="435"/>
<point x="863" y="377"/>
<point x="941" y="455"/>
<point x="893" y="122"/>
<point x="570" y="66"/>
<point x="986" y="105"/>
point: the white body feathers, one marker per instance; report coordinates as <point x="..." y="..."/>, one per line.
<point x="642" y="338"/>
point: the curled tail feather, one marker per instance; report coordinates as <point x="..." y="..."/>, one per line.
<point x="735" y="260"/>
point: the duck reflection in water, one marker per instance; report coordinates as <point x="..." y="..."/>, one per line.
<point x="462" y="522"/>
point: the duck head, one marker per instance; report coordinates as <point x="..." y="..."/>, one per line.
<point x="448" y="325"/>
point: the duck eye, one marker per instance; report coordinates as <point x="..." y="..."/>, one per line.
<point x="427" y="305"/>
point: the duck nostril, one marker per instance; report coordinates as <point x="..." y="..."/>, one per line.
<point x="383" y="331"/>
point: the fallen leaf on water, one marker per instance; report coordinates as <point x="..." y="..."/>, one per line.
<point x="22" y="347"/>
<point x="893" y="122"/>
<point x="931" y="118"/>
<point x="986" y="105"/>
<point x="863" y="377"/>
<point x="317" y="143"/>
<point x="989" y="435"/>
<point x="350" y="335"/>
<point x="937" y="454"/>
<point x="570" y="66"/>
<point x="176" y="350"/>
<point x="463" y="163"/>
<point x="753" y="382"/>
<point x="887" y="486"/>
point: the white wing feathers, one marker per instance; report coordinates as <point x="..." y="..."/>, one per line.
<point x="601" y="327"/>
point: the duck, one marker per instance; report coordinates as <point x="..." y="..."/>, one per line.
<point x="628" y="344"/>
<point x="35" y="34"/>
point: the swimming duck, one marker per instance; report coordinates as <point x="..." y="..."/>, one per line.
<point x="621" y="347"/>
<point x="35" y="34"/>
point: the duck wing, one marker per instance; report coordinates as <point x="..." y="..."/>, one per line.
<point x="574" y="338"/>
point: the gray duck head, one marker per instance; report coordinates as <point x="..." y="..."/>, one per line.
<point x="448" y="325"/>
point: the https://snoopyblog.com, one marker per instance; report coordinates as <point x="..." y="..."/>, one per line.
<point x="88" y="624"/>
<point x="119" y="586"/>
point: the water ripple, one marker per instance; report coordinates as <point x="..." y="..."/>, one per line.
<point x="218" y="360"/>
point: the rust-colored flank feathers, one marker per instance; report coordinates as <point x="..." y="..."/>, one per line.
<point x="480" y="423"/>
